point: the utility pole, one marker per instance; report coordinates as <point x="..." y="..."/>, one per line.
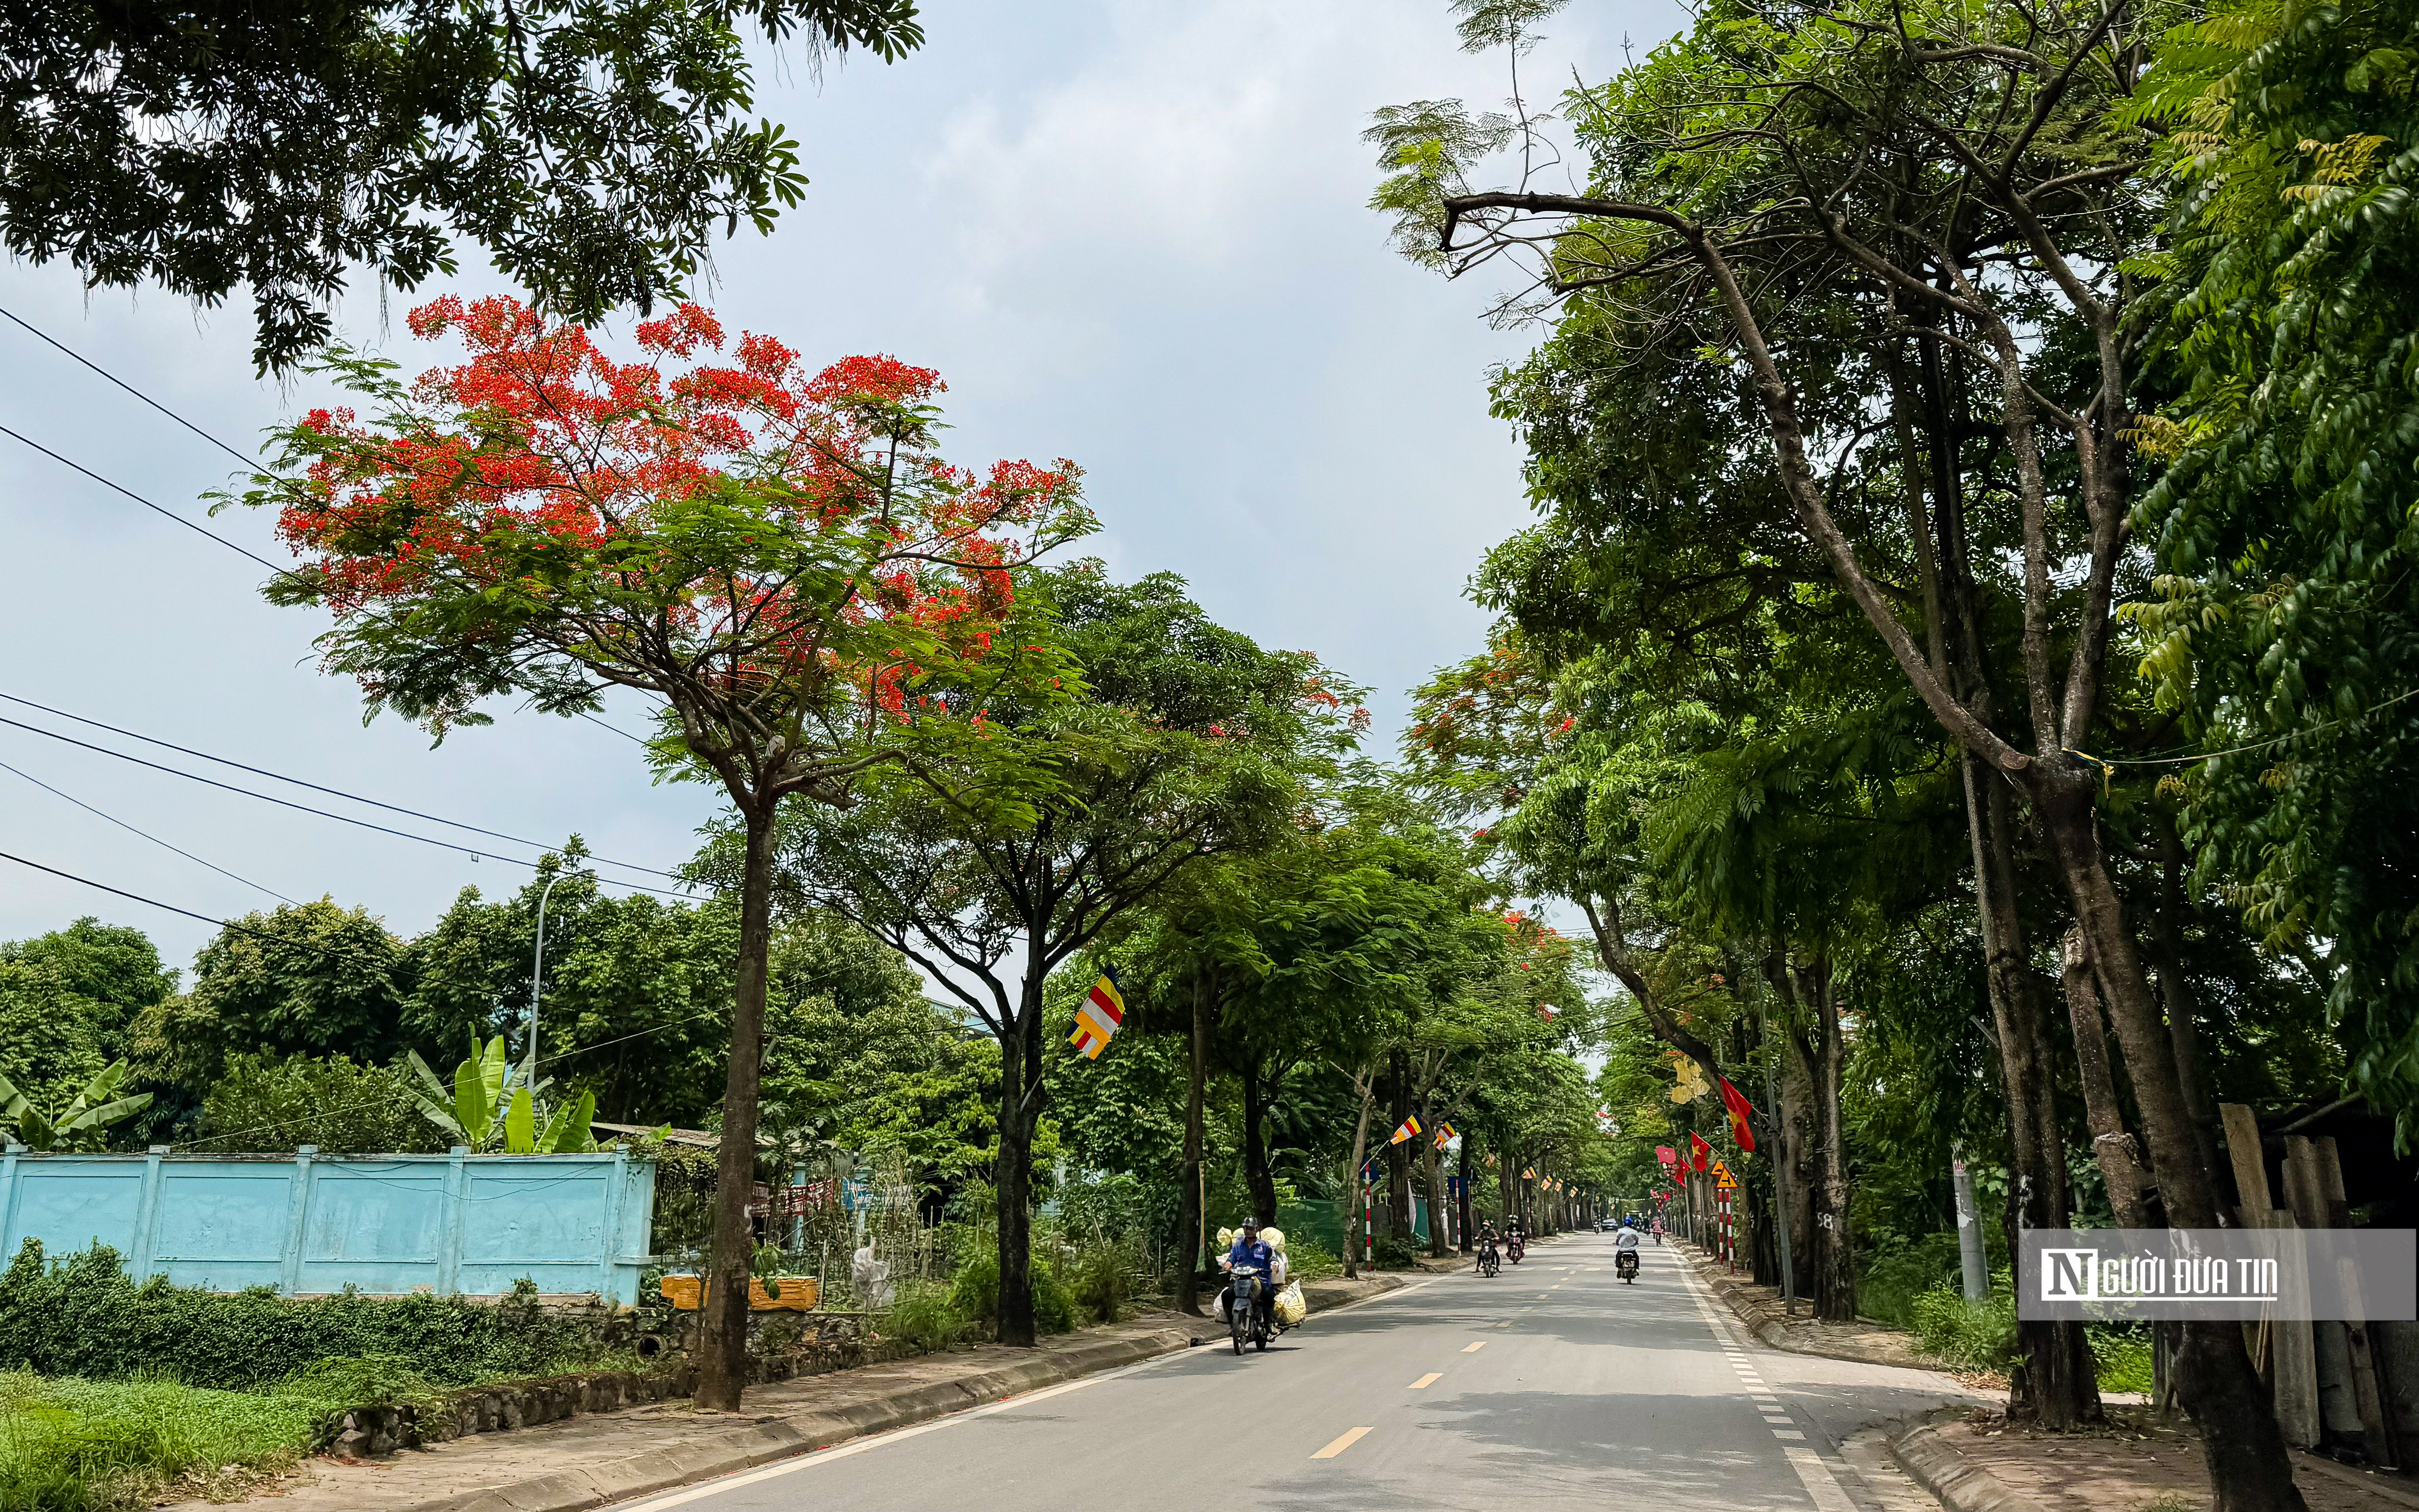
<point x="1969" y="1229"/>
<point x="1754" y="985"/>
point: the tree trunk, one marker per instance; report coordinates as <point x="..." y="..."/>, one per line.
<point x="722" y="1328"/>
<point x="2120" y="1164"/>
<point x="2248" y="1463"/>
<point x="1019" y="1111"/>
<point x="1352" y="1178"/>
<point x="1797" y="1154"/>
<point x="1398" y="1157"/>
<point x="2054" y="1383"/>
<point x="1436" y="1203"/>
<point x="1188" y="1211"/>
<point x="1257" y="1176"/>
<point x="2166" y="943"/>
<point x="1461" y="1201"/>
<point x="1833" y="1283"/>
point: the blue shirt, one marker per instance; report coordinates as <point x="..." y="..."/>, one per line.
<point x="1255" y="1254"/>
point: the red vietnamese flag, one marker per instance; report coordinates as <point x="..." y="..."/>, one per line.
<point x="1666" y="1155"/>
<point x="1741" y="1110"/>
<point x="1699" y="1152"/>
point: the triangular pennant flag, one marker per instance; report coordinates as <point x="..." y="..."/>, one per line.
<point x="1099" y="1017"/>
<point x="1444" y="1135"/>
<point x="1411" y="1127"/>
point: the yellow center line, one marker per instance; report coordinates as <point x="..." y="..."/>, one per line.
<point x="1475" y="1348"/>
<point x="1427" y="1381"/>
<point x="1343" y="1441"/>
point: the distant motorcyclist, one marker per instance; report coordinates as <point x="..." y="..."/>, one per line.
<point x="1487" y="1260"/>
<point x="1251" y="1254"/>
<point x="1626" y="1236"/>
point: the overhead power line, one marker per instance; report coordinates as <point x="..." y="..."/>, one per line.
<point x="333" y="793"/>
<point x="146" y="835"/>
<point x="79" y="357"/>
<point x="323" y="814"/>
<point x="157" y="509"/>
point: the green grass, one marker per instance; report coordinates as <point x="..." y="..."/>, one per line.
<point x="74" y="1445"/>
<point x="69" y="1446"/>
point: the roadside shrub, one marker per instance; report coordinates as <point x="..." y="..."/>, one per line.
<point x="975" y="1293"/>
<point x="85" y="1317"/>
<point x="1898" y="1270"/>
<point x="1968" y="1335"/>
<point x="1391" y="1254"/>
<point x="924" y="1315"/>
<point x="974" y="1290"/>
<point x="2124" y="1356"/>
<point x="1097" y="1279"/>
<point x="1308" y="1259"/>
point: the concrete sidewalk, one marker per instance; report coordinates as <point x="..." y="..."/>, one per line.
<point x="599" y="1457"/>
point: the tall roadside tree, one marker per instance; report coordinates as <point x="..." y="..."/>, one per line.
<point x="1187" y="742"/>
<point x="2284" y="625"/>
<point x="1947" y="180"/>
<point x="587" y="150"/>
<point x="777" y="557"/>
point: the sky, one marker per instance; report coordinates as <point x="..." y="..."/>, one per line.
<point x="1129" y="232"/>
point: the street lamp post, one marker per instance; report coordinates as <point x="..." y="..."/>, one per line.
<point x="537" y="971"/>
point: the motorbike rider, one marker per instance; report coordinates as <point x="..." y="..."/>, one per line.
<point x="1249" y="1250"/>
<point x="1486" y="1242"/>
<point x="1626" y="1237"/>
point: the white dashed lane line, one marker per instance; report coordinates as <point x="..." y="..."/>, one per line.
<point x="1814" y="1471"/>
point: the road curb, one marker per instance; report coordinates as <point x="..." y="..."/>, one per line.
<point x="784" y="1438"/>
<point x="1931" y="1463"/>
<point x="1771" y="1328"/>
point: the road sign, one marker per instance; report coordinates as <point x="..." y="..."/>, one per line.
<point x="1723" y="1179"/>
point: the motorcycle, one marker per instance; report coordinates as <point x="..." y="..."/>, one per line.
<point x="1245" y="1322"/>
<point x="1624" y="1265"/>
<point x="1490" y="1262"/>
<point x="1514" y="1248"/>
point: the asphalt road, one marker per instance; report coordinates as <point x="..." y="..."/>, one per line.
<point x="1553" y="1385"/>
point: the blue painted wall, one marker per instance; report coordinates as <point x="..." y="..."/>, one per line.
<point x="448" y="1223"/>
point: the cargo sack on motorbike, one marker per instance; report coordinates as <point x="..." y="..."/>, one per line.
<point x="1291" y="1306"/>
<point x="1218" y="1308"/>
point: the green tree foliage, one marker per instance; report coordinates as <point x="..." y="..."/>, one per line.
<point x="635" y="1006"/>
<point x="344" y="1108"/>
<point x="310" y="980"/>
<point x="67" y="1000"/>
<point x="2284" y="629"/>
<point x="1186" y="741"/>
<point x="588" y="151"/>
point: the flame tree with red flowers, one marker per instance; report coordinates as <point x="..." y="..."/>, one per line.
<point x="778" y="557"/>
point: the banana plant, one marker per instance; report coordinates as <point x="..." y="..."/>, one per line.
<point x="83" y="1123"/>
<point x="485" y="1105"/>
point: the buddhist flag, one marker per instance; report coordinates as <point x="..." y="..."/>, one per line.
<point x="1699" y="1152"/>
<point x="1444" y="1135"/>
<point x="1408" y="1131"/>
<point x="1529" y="1175"/>
<point x="1098" y="1018"/>
<point x="1740" y="1110"/>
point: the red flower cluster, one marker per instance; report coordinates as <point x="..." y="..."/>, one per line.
<point x="708" y="487"/>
